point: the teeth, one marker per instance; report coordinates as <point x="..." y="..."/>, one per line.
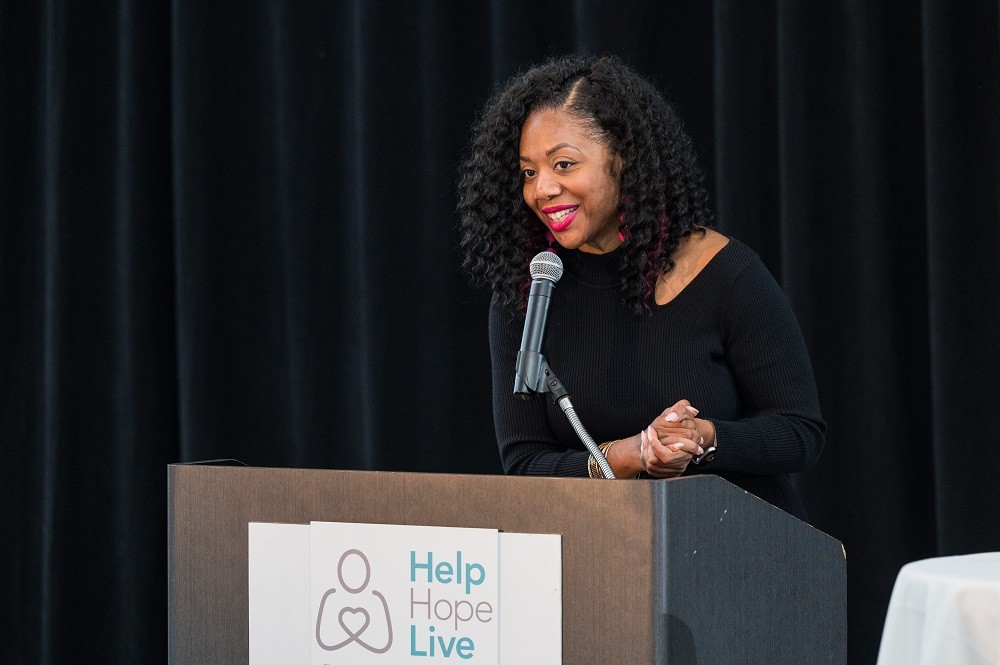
<point x="562" y="214"/>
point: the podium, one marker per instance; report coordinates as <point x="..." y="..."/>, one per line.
<point x="687" y="571"/>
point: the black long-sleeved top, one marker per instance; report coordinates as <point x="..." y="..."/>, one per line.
<point x="728" y="342"/>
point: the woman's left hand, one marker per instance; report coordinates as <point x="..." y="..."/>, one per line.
<point x="677" y="435"/>
<point x="667" y="445"/>
<point x="681" y="419"/>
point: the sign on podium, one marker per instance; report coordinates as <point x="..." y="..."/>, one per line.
<point x="379" y="594"/>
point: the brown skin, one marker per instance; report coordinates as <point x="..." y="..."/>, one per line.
<point x="563" y="163"/>
<point x="691" y="257"/>
<point x="665" y="448"/>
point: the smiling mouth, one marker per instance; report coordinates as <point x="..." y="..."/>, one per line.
<point x="561" y="218"/>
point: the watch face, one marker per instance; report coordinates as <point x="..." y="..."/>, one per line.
<point x="705" y="458"/>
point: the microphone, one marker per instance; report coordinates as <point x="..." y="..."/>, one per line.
<point x="546" y="269"/>
<point x="532" y="373"/>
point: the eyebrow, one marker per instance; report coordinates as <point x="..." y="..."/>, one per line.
<point x="560" y="147"/>
<point x="554" y="149"/>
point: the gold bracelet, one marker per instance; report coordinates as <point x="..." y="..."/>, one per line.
<point x="593" y="468"/>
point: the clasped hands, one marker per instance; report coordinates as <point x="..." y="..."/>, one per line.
<point x="668" y="444"/>
<point x="666" y="447"/>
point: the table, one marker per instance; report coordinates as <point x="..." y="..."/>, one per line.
<point x="944" y="611"/>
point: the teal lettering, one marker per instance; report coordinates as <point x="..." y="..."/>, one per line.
<point x="465" y="648"/>
<point x="413" y="643"/>
<point x="446" y="648"/>
<point x="414" y="565"/>
<point x="474" y="576"/>
<point x="443" y="572"/>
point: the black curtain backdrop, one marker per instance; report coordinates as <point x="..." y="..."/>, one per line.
<point x="227" y="230"/>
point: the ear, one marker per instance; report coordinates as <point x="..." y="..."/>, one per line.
<point x="616" y="166"/>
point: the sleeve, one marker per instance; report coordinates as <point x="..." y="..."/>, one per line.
<point x="782" y="430"/>
<point x="527" y="443"/>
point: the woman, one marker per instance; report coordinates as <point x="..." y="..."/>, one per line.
<point x="671" y="337"/>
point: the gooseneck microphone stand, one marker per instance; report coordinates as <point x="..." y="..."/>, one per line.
<point x="532" y="373"/>
<point x="548" y="382"/>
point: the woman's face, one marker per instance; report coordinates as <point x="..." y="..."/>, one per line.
<point x="569" y="181"/>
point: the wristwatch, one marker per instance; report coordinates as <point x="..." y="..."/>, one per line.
<point x="705" y="458"/>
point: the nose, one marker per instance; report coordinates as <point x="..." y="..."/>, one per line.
<point x="546" y="185"/>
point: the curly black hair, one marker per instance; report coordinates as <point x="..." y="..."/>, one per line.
<point x="661" y="193"/>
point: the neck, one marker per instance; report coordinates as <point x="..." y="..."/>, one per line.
<point x="601" y="247"/>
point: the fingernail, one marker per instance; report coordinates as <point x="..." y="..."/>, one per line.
<point x="672" y="417"/>
<point x="694" y="411"/>
<point x="651" y="433"/>
<point x="676" y="446"/>
<point x="702" y="442"/>
<point x="701" y="451"/>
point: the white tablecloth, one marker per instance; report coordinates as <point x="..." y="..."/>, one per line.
<point x="944" y="611"/>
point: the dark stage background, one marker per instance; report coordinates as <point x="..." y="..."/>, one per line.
<point x="228" y="231"/>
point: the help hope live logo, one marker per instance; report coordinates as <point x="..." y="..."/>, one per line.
<point x="404" y="594"/>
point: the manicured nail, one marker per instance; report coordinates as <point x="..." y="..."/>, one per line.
<point x="672" y="417"/>
<point x="701" y="451"/>
<point x="702" y="442"/>
<point x="692" y="410"/>
<point x="676" y="446"/>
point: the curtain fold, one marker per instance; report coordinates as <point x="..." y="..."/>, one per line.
<point x="88" y="419"/>
<point x="229" y="232"/>
<point x="961" y="78"/>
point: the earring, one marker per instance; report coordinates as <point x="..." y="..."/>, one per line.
<point x="624" y="232"/>
<point x="551" y="239"/>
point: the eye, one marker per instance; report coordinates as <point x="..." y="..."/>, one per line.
<point x="527" y="174"/>
<point x="563" y="164"/>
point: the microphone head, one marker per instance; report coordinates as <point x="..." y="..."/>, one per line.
<point x="546" y="265"/>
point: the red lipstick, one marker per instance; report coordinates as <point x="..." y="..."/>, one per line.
<point x="563" y="224"/>
<point x="553" y="209"/>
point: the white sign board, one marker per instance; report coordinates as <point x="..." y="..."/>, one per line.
<point x="331" y="592"/>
